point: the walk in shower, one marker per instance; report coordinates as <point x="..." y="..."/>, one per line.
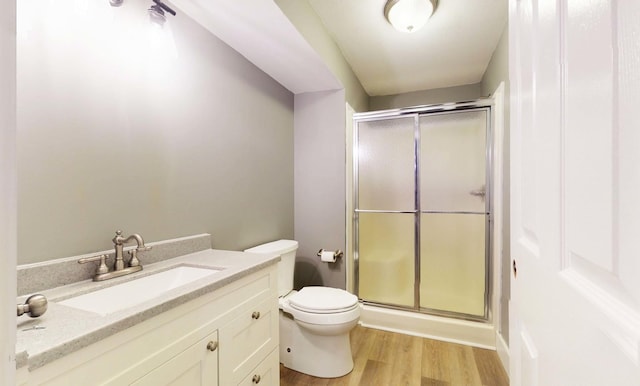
<point x="421" y="209"/>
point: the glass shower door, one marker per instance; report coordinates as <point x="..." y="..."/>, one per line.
<point x="421" y="212"/>
<point x="454" y="212"/>
<point x="385" y="210"/>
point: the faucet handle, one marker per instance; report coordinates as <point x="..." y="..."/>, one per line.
<point x="102" y="268"/>
<point x="133" y="261"/>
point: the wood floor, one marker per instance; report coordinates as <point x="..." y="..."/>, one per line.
<point x="390" y="359"/>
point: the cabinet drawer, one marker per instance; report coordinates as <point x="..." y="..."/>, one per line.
<point x="247" y="340"/>
<point x="267" y="373"/>
<point x="197" y="365"/>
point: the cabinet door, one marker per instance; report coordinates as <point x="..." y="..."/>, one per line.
<point x="266" y="374"/>
<point x="197" y="365"/>
<point x="247" y="340"/>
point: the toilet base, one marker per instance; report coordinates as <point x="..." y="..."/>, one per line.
<point x="323" y="356"/>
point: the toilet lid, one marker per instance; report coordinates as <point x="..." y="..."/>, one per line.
<point x="323" y="300"/>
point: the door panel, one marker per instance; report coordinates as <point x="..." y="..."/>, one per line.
<point x="626" y="142"/>
<point x="452" y="262"/>
<point x="575" y="299"/>
<point x="588" y="158"/>
<point x="386" y="164"/>
<point x="387" y="256"/>
<point x="197" y="365"/>
<point x="452" y="161"/>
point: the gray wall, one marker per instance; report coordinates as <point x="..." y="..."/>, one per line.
<point x="319" y="186"/>
<point x="426" y="97"/>
<point x="121" y="129"/>
<point x="320" y="155"/>
<point x="7" y="192"/>
<point x="498" y="71"/>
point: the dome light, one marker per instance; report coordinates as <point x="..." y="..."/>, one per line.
<point x="409" y="15"/>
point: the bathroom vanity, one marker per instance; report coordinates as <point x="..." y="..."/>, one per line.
<point x="219" y="329"/>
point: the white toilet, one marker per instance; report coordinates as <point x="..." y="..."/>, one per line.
<point x="314" y="322"/>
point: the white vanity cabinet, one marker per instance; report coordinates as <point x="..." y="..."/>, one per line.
<point x="266" y="373"/>
<point x="246" y="341"/>
<point x="226" y="337"/>
<point x="197" y="365"/>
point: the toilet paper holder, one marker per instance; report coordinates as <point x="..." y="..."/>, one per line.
<point x="336" y="254"/>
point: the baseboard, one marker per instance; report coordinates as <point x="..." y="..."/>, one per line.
<point x="475" y="334"/>
<point x="503" y="352"/>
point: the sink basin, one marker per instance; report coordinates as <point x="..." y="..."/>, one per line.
<point x="137" y="291"/>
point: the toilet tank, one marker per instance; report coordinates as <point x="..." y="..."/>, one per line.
<point x="287" y="251"/>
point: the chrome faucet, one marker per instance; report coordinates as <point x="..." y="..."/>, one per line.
<point x="103" y="272"/>
<point x="119" y="242"/>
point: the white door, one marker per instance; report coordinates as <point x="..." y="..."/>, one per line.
<point x="575" y="155"/>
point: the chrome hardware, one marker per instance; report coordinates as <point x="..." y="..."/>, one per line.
<point x="256" y="379"/>
<point x="119" y="242"/>
<point x="34" y="306"/>
<point x="133" y="261"/>
<point x="479" y="192"/>
<point x="336" y="254"/>
<point x="103" y="273"/>
<point x="102" y="268"/>
<point x="255" y="315"/>
<point x="212" y="346"/>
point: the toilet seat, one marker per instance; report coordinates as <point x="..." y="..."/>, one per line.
<point x="323" y="300"/>
<point x="328" y="311"/>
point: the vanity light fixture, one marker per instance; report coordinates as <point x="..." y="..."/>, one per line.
<point x="156" y="12"/>
<point x="409" y="15"/>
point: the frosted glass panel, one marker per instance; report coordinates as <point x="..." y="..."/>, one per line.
<point x="386" y="164"/>
<point x="387" y="258"/>
<point x="452" y="161"/>
<point x="452" y="265"/>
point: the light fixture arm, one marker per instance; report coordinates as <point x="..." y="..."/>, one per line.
<point x="165" y="7"/>
<point x="159" y="7"/>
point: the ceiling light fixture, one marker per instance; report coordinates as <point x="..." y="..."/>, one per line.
<point x="409" y="15"/>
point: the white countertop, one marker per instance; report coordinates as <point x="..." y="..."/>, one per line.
<point x="68" y="329"/>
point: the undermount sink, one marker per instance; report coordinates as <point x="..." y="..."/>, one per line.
<point x="131" y="293"/>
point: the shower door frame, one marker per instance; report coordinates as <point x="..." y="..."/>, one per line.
<point x="415" y="112"/>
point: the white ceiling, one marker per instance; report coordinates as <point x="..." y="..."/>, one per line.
<point x="259" y="31"/>
<point x="452" y="49"/>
